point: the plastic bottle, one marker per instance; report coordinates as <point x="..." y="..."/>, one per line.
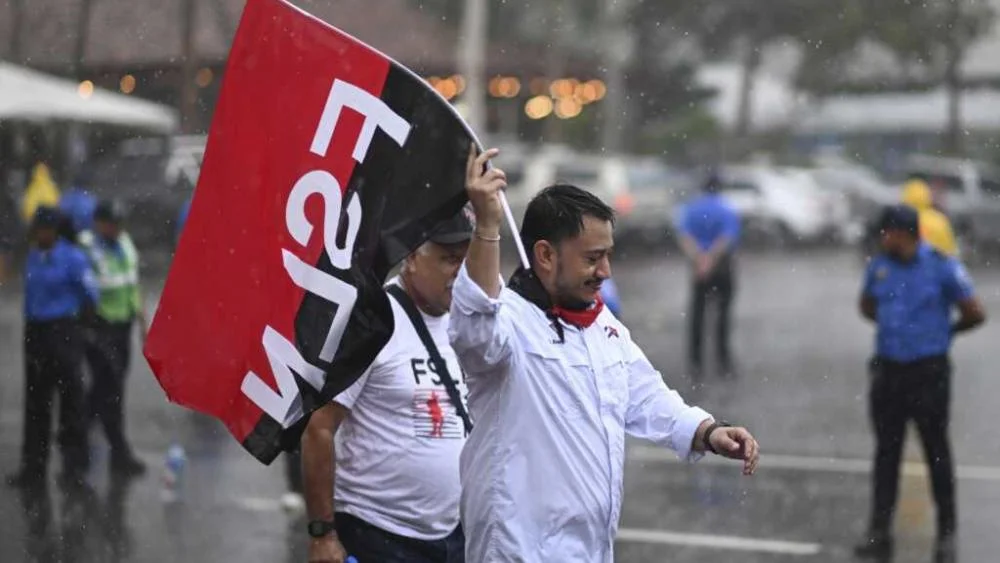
<point x="173" y="473"/>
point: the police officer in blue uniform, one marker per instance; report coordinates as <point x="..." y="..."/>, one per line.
<point x="910" y="292"/>
<point x="59" y="287"/>
<point x="709" y="232"/>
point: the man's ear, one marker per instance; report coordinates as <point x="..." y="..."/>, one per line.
<point x="545" y="255"/>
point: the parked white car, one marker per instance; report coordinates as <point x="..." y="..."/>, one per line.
<point x="842" y="225"/>
<point x="783" y="206"/>
<point x="642" y="191"/>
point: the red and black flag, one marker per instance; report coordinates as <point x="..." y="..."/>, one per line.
<point x="327" y="163"/>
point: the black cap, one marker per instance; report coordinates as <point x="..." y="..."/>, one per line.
<point x="46" y="217"/>
<point x="109" y="210"/>
<point x="455" y="230"/>
<point x="899" y="218"/>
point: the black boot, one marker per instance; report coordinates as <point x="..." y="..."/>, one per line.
<point x="128" y="466"/>
<point x="875" y="547"/>
<point x="946" y="548"/>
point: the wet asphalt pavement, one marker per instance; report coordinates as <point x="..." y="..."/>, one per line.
<point x="801" y="389"/>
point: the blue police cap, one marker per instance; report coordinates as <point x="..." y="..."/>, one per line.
<point x="46" y="217"/>
<point x="899" y="218"/>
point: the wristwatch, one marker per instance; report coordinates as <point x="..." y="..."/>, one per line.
<point x="708" y="434"/>
<point x="320" y="528"/>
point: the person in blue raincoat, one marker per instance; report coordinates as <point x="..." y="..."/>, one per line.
<point x="609" y="294"/>
<point x="77" y="204"/>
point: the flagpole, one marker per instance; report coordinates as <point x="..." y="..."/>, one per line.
<point x="473" y="60"/>
<point x="513" y="229"/>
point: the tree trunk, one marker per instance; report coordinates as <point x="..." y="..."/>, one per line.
<point x="82" y="37"/>
<point x="475" y="28"/>
<point x="223" y="20"/>
<point x="188" y="88"/>
<point x="616" y="58"/>
<point x="953" y="135"/>
<point x="555" y="62"/>
<point x="751" y="61"/>
<point x="16" y="31"/>
<point x="953" y="83"/>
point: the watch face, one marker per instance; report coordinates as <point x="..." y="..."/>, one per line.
<point x="319" y="528"/>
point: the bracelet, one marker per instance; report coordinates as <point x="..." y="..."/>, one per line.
<point x="487" y="239"/>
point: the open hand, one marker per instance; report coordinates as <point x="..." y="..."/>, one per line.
<point x="737" y="443"/>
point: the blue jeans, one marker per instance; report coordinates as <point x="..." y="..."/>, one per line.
<point x="370" y="544"/>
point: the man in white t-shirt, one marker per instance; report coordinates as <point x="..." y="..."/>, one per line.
<point x="392" y="494"/>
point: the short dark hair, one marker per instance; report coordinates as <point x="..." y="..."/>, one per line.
<point x="556" y="213"/>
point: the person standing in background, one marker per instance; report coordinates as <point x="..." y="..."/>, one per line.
<point x="709" y="233"/>
<point x="40" y="191"/>
<point x="10" y="229"/>
<point x="78" y="204"/>
<point x="609" y="293"/>
<point x="59" y="289"/>
<point x="935" y="228"/>
<point x="116" y="262"/>
<point x="910" y="292"/>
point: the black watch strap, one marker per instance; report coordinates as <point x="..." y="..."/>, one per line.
<point x="708" y="434"/>
<point x="320" y="528"/>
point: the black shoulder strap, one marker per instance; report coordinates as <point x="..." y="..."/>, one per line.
<point x="442" y="367"/>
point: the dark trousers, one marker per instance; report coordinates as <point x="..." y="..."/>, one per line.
<point x="917" y="391"/>
<point x="52" y="358"/>
<point x="108" y="352"/>
<point x="370" y="544"/>
<point x="719" y="289"/>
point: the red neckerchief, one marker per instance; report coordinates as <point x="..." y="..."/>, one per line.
<point x="525" y="283"/>
<point x="581" y="318"/>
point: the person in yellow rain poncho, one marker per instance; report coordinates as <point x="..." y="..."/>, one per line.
<point x="935" y="228"/>
<point x="40" y="191"/>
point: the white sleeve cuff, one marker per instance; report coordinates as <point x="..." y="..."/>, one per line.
<point x="470" y="298"/>
<point x="686" y="428"/>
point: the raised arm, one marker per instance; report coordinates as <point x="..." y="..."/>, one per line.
<point x="479" y="331"/>
<point x="484" y="186"/>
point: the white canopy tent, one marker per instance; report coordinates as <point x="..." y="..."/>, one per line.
<point x="29" y="95"/>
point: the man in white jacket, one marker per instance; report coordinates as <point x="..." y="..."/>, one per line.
<point x="555" y="383"/>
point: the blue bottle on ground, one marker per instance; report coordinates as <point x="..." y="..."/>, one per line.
<point x="173" y="474"/>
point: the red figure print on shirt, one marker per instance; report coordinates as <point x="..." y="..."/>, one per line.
<point x="437" y="415"/>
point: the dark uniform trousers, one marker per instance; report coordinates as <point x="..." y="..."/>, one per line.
<point x="108" y="351"/>
<point x="52" y="355"/>
<point x="917" y="391"/>
<point x="719" y="288"/>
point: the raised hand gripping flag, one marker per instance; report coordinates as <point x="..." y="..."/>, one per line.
<point x="327" y="163"/>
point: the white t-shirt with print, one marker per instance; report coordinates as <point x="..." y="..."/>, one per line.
<point x="398" y="449"/>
